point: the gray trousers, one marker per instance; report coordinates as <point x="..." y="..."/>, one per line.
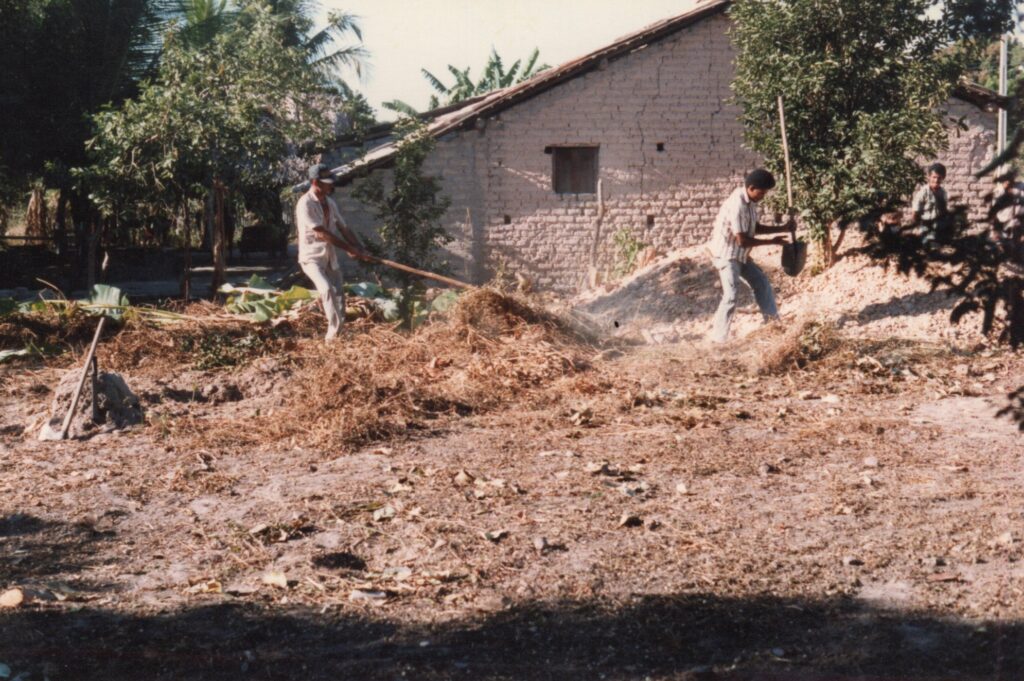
<point x="331" y="286"/>
<point x="729" y="273"/>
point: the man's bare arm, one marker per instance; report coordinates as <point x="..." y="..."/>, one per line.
<point x="747" y="241"/>
<point x="774" y="229"/>
<point x="354" y="251"/>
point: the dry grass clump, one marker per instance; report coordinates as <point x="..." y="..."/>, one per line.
<point x="207" y="338"/>
<point x="379" y="382"/>
<point x="51" y="331"/>
<point x="777" y="349"/>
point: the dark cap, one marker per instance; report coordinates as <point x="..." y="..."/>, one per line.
<point x="321" y="172"/>
<point x="760" y="179"/>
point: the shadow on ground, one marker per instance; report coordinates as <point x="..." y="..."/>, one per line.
<point x="654" y="637"/>
<point x="650" y="636"/>
<point x="918" y="303"/>
<point x="33" y="549"/>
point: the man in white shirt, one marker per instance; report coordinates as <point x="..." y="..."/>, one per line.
<point x="321" y="231"/>
<point x="730" y="245"/>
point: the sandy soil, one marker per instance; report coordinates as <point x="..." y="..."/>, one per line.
<point x="689" y="517"/>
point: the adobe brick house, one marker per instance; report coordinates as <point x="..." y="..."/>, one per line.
<point x="638" y="135"/>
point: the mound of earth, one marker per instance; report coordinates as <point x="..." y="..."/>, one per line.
<point x="113" y="407"/>
<point x="674" y="299"/>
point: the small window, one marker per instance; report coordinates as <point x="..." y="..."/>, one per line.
<point x="508" y="219"/>
<point x="574" y="170"/>
<point x="650" y="221"/>
<point x="661" y="146"/>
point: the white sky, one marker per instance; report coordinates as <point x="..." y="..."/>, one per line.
<point x="404" y="36"/>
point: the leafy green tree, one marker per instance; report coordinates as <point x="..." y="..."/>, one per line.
<point x="863" y="83"/>
<point x="494" y="77"/>
<point x="333" y="49"/>
<point x="409" y="207"/>
<point x="217" y="117"/>
<point x="986" y="72"/>
<point x="60" y="62"/>
<point x="200" y="21"/>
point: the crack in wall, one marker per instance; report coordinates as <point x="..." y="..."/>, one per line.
<point x="639" y="119"/>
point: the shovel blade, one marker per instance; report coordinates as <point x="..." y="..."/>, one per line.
<point x="794" y="257"/>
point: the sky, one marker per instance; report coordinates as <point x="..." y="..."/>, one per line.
<point x="404" y="36"/>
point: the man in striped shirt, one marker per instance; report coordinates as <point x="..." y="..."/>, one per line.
<point x="731" y="241"/>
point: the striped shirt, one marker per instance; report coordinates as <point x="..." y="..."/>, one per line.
<point x="738" y="215"/>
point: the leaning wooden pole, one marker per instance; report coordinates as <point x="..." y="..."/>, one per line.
<point x="81" y="380"/>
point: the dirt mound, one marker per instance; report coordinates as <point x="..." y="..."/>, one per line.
<point x="115" y="407"/>
<point x="674" y="299"/>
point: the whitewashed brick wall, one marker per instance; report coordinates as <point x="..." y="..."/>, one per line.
<point x="969" y="151"/>
<point x="674" y="92"/>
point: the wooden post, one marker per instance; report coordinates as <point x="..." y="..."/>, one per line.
<point x="186" y="280"/>
<point x="90" y="263"/>
<point x="218" y="237"/>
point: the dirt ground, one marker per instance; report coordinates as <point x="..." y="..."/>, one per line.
<point x="806" y="503"/>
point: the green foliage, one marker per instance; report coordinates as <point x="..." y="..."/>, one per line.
<point x="986" y="72"/>
<point x="216" y="350"/>
<point x="495" y="76"/>
<point x="409" y="208"/>
<point x="331" y="50"/>
<point x="627" y="248"/>
<point x="202" y="20"/>
<point x="107" y="300"/>
<point x="862" y="81"/>
<point x="261" y="301"/>
<point x="224" y="112"/>
<point x="11" y="354"/>
<point x="60" y="61"/>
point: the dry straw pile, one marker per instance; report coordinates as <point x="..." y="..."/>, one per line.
<point x="378" y="382"/>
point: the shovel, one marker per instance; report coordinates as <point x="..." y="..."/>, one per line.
<point x="794" y="255"/>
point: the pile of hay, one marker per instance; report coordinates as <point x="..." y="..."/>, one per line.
<point x="777" y="349"/>
<point x="377" y="382"/>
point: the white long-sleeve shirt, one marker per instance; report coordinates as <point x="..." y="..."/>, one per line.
<point x="309" y="213"/>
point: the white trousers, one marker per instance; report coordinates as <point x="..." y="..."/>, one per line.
<point x="330" y="285"/>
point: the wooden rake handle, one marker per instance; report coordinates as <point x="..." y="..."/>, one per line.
<point x="419" y="273"/>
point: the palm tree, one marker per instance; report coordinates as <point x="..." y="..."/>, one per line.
<point x="201" y="20"/>
<point x="333" y="49"/>
<point x="494" y="77"/>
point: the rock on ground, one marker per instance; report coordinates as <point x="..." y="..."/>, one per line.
<point x="116" y="406"/>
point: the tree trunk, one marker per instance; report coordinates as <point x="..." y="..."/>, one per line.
<point x="35" y="218"/>
<point x="90" y="265"/>
<point x="60" y="228"/>
<point x="837" y="244"/>
<point x="186" y="275"/>
<point x="218" y="237"/>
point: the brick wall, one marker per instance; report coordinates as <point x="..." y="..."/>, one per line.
<point x="969" y="151"/>
<point x="675" y="93"/>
